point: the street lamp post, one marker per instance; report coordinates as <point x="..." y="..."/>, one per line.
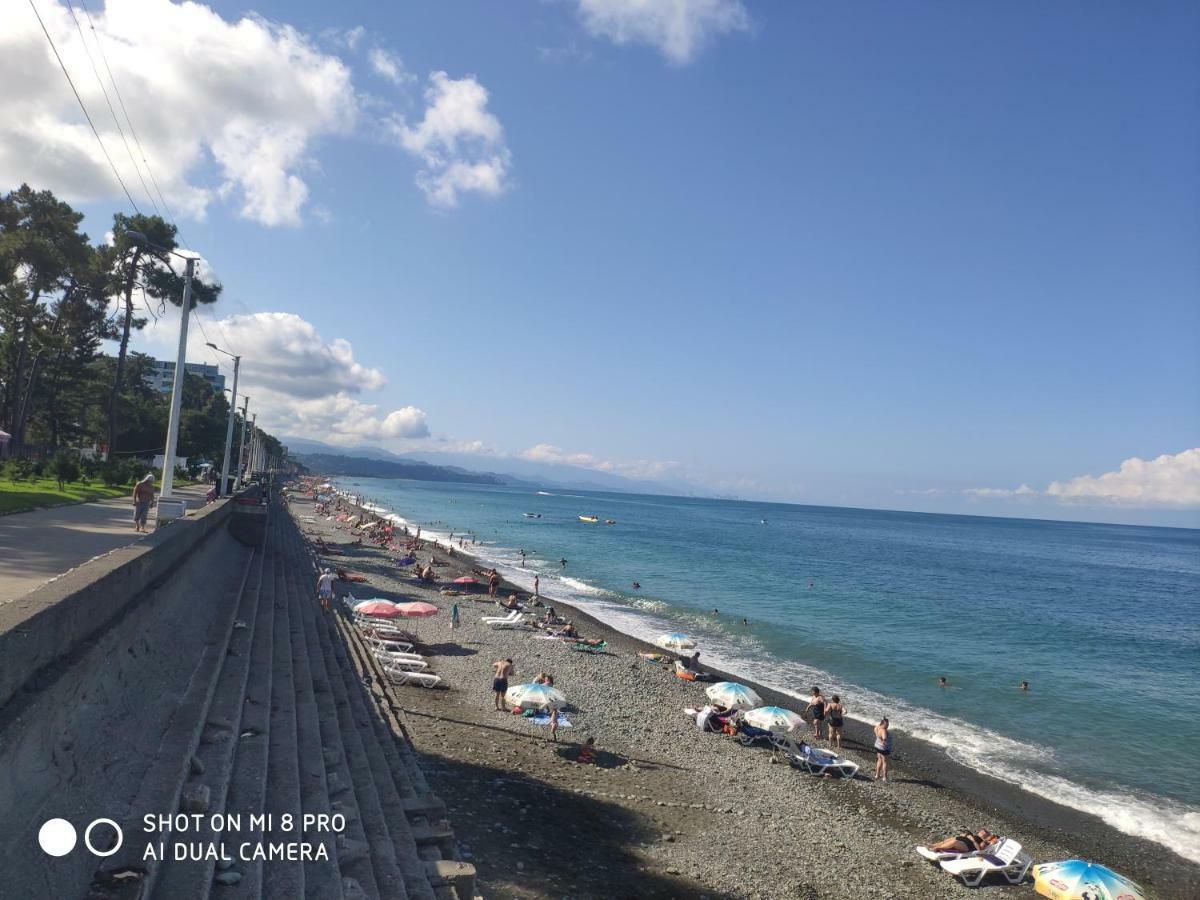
<point x="224" y="487"/>
<point x="168" y="475"/>
<point x="250" y="459"/>
<point x="237" y="485"/>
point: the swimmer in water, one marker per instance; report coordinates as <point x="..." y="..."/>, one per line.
<point x="1025" y="686"/>
<point x="942" y="681"/>
<point x="744" y="622"/>
<point x="637" y="586"/>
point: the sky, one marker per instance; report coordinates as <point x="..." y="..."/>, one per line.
<point x="931" y="256"/>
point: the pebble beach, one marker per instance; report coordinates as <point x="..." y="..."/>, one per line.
<point x="669" y="811"/>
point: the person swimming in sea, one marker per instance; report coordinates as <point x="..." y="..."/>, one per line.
<point x="637" y="586"/>
<point x="942" y="681"/>
<point x="1025" y="686"/>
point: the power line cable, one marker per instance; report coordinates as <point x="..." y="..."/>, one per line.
<point x="129" y="121"/>
<point x="83" y="107"/>
<point x="108" y="100"/>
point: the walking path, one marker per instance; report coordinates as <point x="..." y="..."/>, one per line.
<point x="42" y="544"/>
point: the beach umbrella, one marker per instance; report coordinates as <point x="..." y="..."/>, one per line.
<point x="675" y="641"/>
<point x="535" y="696"/>
<point x="773" y="718"/>
<point x="406" y="560"/>
<point x="733" y="695"/>
<point x="1078" y="879"/>
<point x="417" y="610"/>
<point x="466" y="579"/>
<point x="358" y="603"/>
<point x="381" y="609"/>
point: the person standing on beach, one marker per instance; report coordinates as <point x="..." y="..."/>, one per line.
<point x="501" y="669"/>
<point x="816" y="705"/>
<point x="454" y="617"/>
<point x="837" y="718"/>
<point x="562" y="563"/>
<point x="554" y="724"/>
<point x="143" y="496"/>
<point x="883" y="749"/>
<point x="493" y="583"/>
<point x="537" y="588"/>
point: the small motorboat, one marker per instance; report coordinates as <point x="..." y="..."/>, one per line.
<point x="532" y="515"/>
<point x="610" y="521"/>
<point x="592" y="519"/>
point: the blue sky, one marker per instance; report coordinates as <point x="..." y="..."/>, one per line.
<point x="877" y="255"/>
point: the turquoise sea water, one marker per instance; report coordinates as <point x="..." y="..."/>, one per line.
<point x="1102" y="620"/>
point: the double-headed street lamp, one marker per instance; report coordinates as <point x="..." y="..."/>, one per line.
<point x="168" y="475"/>
<point x="237" y="486"/>
<point x="224" y="487"/>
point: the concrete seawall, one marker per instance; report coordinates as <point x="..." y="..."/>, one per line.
<point x="52" y="621"/>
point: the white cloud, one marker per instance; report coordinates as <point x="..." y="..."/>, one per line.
<point x="642" y="468"/>
<point x="459" y="142"/>
<point x="389" y="66"/>
<point x="299" y="382"/>
<point x="1169" y="480"/>
<point x="678" y="28"/>
<point x="984" y="493"/>
<point x="251" y="95"/>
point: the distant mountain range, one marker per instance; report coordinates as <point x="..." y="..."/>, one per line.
<point x="467" y="468"/>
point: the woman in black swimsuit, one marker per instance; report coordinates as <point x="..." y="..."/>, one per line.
<point x="816" y="705"/>
<point x="836" y="713"/>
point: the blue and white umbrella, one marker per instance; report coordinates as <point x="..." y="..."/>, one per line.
<point x="535" y="696"/>
<point x="773" y="718"/>
<point x="675" y="641"/>
<point x="732" y="695"/>
<point x="1078" y="879"/>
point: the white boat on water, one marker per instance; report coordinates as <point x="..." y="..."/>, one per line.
<point x="592" y="519"/>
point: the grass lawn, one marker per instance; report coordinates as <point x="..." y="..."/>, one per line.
<point x="18" y="496"/>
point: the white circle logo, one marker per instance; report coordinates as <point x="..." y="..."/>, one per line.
<point x="57" y="837"/>
<point x="87" y="837"/>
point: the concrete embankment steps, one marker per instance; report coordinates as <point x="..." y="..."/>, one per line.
<point x="277" y="719"/>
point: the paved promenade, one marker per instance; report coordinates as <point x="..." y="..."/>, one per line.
<point x="39" y="545"/>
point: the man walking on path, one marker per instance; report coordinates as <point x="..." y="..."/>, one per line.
<point x="325" y="588"/>
<point x="143" y="496"/>
<point x="501" y="669"/>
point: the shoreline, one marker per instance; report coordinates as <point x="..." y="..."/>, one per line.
<point x="1036" y="818"/>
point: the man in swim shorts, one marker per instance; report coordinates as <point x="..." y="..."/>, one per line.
<point x="501" y="669"/>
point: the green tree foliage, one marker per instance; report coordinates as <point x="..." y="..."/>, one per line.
<point x="58" y="388"/>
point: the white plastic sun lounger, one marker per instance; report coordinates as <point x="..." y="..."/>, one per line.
<point x="392" y="661"/>
<point x="384" y="653"/>
<point x="513" y="616"/>
<point x="518" y="622"/>
<point x="375" y="642"/>
<point x="814" y="760"/>
<point x="421" y="679"/>
<point x="937" y="856"/>
<point x="1006" y="858"/>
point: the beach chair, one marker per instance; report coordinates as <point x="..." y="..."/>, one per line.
<point x="390" y="645"/>
<point x="518" y="622"/>
<point x="1006" y="859"/>
<point x="513" y="616"/>
<point x="584" y="647"/>
<point x="391" y="661"/>
<point x="937" y="856"/>
<point x="749" y="736"/>
<point x="405" y="676"/>
<point x="813" y="760"/>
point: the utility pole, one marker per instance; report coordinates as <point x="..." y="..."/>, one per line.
<point x="241" y="469"/>
<point x="168" y="475"/>
<point x="223" y="489"/>
<point x="250" y="460"/>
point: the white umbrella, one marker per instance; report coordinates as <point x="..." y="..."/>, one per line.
<point x="773" y="718"/>
<point x="675" y="641"/>
<point x="733" y="695"/>
<point x="359" y="603"/>
<point x="535" y="696"/>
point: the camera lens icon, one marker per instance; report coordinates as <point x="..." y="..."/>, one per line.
<point x="57" y="837"/>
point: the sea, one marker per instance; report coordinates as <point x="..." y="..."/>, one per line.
<point x="1103" y="621"/>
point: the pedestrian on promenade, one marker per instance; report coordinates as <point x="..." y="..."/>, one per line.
<point x="143" y="496"/>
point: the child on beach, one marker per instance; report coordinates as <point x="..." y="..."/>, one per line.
<point x="883" y="749"/>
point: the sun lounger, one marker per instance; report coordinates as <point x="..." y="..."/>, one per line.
<point x="1006" y="859"/>
<point x="403" y="676"/>
<point x="749" y="736"/>
<point x="391" y="645"/>
<point x="391" y="661"/>
<point x="518" y="622"/>
<point x="383" y="652"/>
<point x="814" y="760"/>
<point x="937" y="856"/>
<point x="513" y="616"/>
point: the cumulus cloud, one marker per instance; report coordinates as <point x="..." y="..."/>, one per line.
<point x="642" y="468"/>
<point x="252" y="95"/>
<point x="678" y="28"/>
<point x="300" y="382"/>
<point x="1168" y="480"/>
<point x="982" y="493"/>
<point x="389" y="66"/>
<point x="459" y="141"/>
